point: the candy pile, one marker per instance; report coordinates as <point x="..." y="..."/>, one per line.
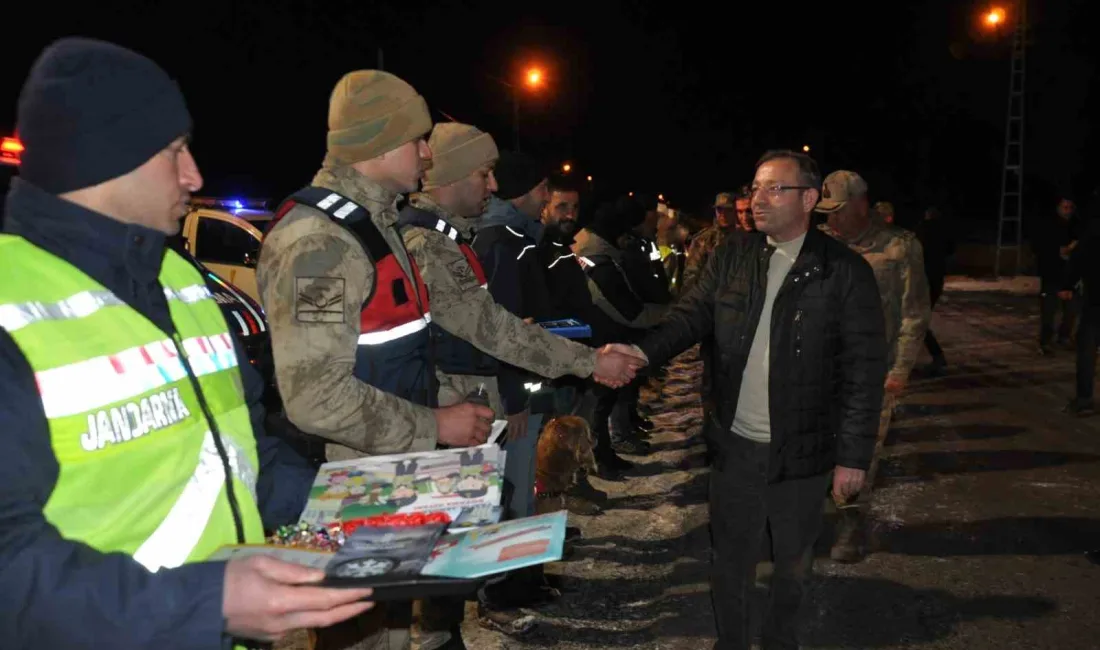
<point x="404" y="519"/>
<point x="331" y="537"/>
<point x="303" y="535"/>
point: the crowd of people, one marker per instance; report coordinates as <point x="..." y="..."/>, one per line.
<point x="411" y="272"/>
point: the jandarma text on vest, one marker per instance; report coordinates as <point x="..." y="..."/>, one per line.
<point x="133" y="420"/>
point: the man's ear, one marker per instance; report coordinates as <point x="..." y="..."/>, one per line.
<point x="809" y="199"/>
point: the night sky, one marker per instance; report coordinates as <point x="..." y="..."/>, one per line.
<point x="659" y="97"/>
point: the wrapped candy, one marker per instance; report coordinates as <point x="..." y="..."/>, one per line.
<point x="397" y="519"/>
<point x="305" y="536"/>
<point x="331" y="537"/>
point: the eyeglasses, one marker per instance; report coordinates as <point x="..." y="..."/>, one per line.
<point x="774" y="191"/>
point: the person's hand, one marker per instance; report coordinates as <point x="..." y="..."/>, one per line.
<point x="265" y="598"/>
<point x="463" y="425"/>
<point x="847" y="483"/>
<point x="1066" y="295"/>
<point x="530" y="320"/>
<point x="630" y="350"/>
<point x="517" y="424"/>
<point x="615" y="367"/>
<point x="895" y="385"/>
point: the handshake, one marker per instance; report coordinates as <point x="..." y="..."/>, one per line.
<point x="617" y="363"/>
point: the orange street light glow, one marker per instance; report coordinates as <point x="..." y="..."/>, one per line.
<point x="995" y="17"/>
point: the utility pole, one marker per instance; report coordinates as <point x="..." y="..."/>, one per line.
<point x="1011" y="216"/>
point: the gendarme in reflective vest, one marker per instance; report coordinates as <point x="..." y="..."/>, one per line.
<point x="142" y="467"/>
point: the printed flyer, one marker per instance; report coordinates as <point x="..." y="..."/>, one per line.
<point x="440" y="480"/>
<point x="500" y="547"/>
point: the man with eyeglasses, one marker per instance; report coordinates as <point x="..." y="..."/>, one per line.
<point x="895" y="256"/>
<point x="798" y="365"/>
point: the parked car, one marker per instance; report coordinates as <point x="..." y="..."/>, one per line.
<point x="225" y="235"/>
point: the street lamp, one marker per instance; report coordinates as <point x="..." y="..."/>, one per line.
<point x="590" y="178"/>
<point x="533" y="79"/>
<point x="567" y="168"/>
<point x="995" y="17"/>
<point x="806" y="148"/>
<point x="660" y="197"/>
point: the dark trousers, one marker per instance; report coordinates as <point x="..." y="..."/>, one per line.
<point x="1049" y="302"/>
<point x="618" y="405"/>
<point x="605" y="399"/>
<point x="626" y="405"/>
<point x="1088" y="336"/>
<point x="935" y="290"/>
<point x="741" y="504"/>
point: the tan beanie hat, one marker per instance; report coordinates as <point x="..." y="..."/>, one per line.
<point x="458" y="150"/>
<point x="370" y="113"/>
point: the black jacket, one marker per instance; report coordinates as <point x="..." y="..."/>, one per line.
<point x="828" y="349"/>
<point x="937" y="245"/>
<point x="566" y="284"/>
<point x="567" y="288"/>
<point x="644" y="272"/>
<point x="517" y="283"/>
<point x="59" y="593"/>
<point x="1084" y="265"/>
<point x="1051" y="235"/>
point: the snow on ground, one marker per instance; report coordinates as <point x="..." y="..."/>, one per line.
<point x="1022" y="285"/>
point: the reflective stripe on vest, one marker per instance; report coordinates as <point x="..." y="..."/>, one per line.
<point x="394" y="333"/>
<point x="179" y="531"/>
<point x="139" y="470"/>
<point x="98" y="382"/>
<point x="79" y="305"/>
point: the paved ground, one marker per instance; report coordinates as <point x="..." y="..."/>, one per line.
<point x="987" y="498"/>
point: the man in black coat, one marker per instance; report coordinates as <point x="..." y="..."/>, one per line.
<point x="1082" y="281"/>
<point x="1052" y="244"/>
<point x="798" y="366"/>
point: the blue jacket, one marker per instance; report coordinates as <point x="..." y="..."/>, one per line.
<point x="58" y="593"/>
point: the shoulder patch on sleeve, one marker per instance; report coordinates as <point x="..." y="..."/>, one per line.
<point x="319" y="300"/>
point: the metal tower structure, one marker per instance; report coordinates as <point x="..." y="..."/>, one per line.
<point x="1011" y="218"/>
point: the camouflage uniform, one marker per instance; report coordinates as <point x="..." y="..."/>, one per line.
<point x="466" y="309"/>
<point x="706" y="241"/>
<point x="314" y="360"/>
<point x="699" y="253"/>
<point x="895" y="256"/>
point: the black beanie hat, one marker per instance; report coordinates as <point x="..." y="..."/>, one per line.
<point x="517" y="174"/>
<point x="91" y="111"/>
